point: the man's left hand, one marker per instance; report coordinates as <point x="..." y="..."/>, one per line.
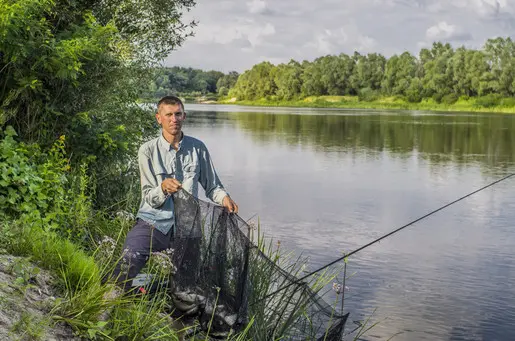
<point x="230" y="205"/>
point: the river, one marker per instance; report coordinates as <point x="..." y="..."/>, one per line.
<point x="326" y="181"/>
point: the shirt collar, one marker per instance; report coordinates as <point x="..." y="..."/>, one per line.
<point x="166" y="145"/>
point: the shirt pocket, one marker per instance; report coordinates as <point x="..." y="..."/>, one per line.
<point x="191" y="168"/>
<point x="162" y="172"/>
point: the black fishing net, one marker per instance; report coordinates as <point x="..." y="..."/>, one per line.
<point x="223" y="282"/>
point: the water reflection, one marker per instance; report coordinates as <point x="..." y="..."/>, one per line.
<point x="440" y="138"/>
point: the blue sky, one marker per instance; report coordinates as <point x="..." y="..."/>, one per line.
<point x="236" y="34"/>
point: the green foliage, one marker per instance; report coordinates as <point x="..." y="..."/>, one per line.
<point x="32" y="181"/>
<point x="23" y="270"/>
<point x="77" y="69"/>
<point x="508" y="102"/>
<point x="488" y="101"/>
<point x="255" y="83"/>
<point x="414" y="91"/>
<point x="449" y="98"/>
<point x="226" y="82"/>
<point x="368" y="95"/>
<point x="188" y="81"/>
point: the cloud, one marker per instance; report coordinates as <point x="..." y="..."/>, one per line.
<point x="344" y="39"/>
<point x="485" y="8"/>
<point x="446" y="32"/>
<point x="235" y="33"/>
<point x="258" y="7"/>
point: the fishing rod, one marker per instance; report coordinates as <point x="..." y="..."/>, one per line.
<point x="384" y="236"/>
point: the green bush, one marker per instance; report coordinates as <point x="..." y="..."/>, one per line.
<point x="368" y="95"/>
<point x="508" y="102"/>
<point x="43" y="186"/>
<point x="488" y="101"/>
<point x="449" y="99"/>
<point x="413" y="96"/>
<point x="437" y="97"/>
<point x="31" y="181"/>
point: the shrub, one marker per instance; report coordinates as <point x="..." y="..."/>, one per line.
<point x="449" y="99"/>
<point x="42" y="186"/>
<point x="488" y="101"/>
<point x="508" y="102"/>
<point x="368" y="95"/>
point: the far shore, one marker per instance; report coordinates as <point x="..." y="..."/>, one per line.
<point x="353" y="102"/>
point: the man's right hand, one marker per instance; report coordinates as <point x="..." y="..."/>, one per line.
<point x="170" y="186"/>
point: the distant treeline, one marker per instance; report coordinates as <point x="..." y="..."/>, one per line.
<point x="441" y="73"/>
<point x="191" y="82"/>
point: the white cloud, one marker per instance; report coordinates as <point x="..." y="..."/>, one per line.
<point x="257" y="7"/>
<point x="447" y="32"/>
<point x="227" y="34"/>
<point x="485" y="8"/>
<point x="346" y="38"/>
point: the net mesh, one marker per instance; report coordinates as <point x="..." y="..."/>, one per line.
<point x="223" y="281"/>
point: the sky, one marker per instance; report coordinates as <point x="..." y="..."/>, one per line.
<point x="234" y="35"/>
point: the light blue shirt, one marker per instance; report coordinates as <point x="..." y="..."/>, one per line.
<point x="191" y="164"/>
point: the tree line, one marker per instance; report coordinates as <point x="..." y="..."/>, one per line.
<point x="189" y="81"/>
<point x="439" y="72"/>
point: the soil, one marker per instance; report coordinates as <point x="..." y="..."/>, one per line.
<point x="26" y="299"/>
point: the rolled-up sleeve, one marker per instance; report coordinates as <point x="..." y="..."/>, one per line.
<point x="209" y="179"/>
<point x="151" y="191"/>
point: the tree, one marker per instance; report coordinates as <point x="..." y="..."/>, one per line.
<point x="288" y="80"/>
<point x="399" y="74"/>
<point x="255" y="83"/>
<point x="77" y="68"/>
<point x="226" y="82"/>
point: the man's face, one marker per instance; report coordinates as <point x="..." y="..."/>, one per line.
<point x="170" y="117"/>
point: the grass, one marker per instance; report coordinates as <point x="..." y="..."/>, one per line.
<point x="143" y="317"/>
<point x="353" y="102"/>
<point x="275" y="316"/>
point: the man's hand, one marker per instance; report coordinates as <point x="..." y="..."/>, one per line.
<point x="170" y="186"/>
<point x="230" y="205"/>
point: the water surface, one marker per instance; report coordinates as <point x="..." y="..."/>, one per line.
<point x="326" y="181"/>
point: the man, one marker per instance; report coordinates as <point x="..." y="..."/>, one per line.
<point x="167" y="163"/>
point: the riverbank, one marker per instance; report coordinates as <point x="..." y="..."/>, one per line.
<point x="481" y="104"/>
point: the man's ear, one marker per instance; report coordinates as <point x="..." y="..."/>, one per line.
<point x="158" y="118"/>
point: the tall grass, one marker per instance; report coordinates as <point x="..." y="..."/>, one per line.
<point x="276" y="316"/>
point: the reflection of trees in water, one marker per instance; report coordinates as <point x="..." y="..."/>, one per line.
<point x="463" y="138"/>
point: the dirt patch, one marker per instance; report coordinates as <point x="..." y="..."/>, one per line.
<point x="26" y="299"/>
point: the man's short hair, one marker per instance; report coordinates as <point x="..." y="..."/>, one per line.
<point x="170" y="100"/>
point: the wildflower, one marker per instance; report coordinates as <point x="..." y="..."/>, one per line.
<point x="124" y="215"/>
<point x="124" y="265"/>
<point x="106" y="248"/>
<point x="162" y="262"/>
<point x="338" y="288"/>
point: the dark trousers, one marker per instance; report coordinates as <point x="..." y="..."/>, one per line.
<point x="141" y="241"/>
